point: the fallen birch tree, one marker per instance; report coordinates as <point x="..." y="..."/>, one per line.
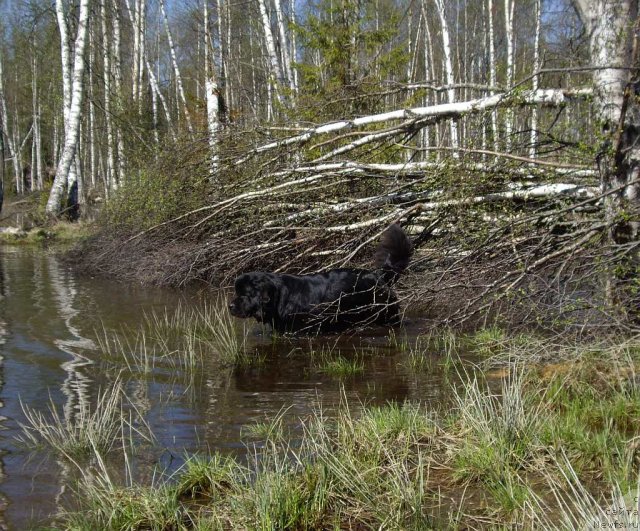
<point x="446" y="111"/>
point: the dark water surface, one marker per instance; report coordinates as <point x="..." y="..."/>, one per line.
<point x="50" y="321"/>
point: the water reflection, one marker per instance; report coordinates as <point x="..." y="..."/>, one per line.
<point x="77" y="383"/>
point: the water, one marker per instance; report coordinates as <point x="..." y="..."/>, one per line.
<point x="50" y="320"/>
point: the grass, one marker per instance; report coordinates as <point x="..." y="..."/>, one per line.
<point x="331" y="362"/>
<point x="545" y="446"/>
<point x="195" y="330"/>
<point x="419" y="356"/>
<point x="436" y="349"/>
<point x="181" y="340"/>
<point x="341" y="367"/>
<point x="90" y="431"/>
<point x="269" y="430"/>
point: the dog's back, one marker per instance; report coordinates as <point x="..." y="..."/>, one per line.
<point x="330" y="301"/>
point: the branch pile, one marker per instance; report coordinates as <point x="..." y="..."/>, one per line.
<point x="488" y="225"/>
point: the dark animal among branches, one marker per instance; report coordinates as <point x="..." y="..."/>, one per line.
<point x="331" y="301"/>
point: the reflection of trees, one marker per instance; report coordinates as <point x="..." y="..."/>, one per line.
<point x="77" y="383"/>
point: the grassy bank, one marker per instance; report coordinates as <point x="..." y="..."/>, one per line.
<point x="539" y="445"/>
<point x="61" y="232"/>
<point x="23" y="222"/>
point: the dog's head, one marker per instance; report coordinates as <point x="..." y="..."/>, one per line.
<point x="254" y="295"/>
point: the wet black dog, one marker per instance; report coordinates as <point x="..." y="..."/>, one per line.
<point x="332" y="301"/>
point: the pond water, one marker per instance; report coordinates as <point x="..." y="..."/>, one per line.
<point x="50" y="324"/>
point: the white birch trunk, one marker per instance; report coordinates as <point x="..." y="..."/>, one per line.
<point x="106" y="44"/>
<point x="92" y="113"/>
<point x="5" y="128"/>
<point x="492" y="72"/>
<point x="17" y="158"/>
<point x="153" y="82"/>
<point x="610" y="28"/>
<point x="221" y="53"/>
<point x="448" y="67"/>
<point x="165" y="107"/>
<point x="36" y="152"/>
<point x="176" y="69"/>
<point x="229" y="95"/>
<point x="213" y="103"/>
<point x="535" y="83"/>
<point x="294" y="47"/>
<point x="116" y="68"/>
<point x="547" y="97"/>
<point x="142" y="49"/>
<point x="61" y="182"/>
<point x="509" y="6"/>
<point x="275" y="71"/>
<point x="39" y="161"/>
<point x="284" y="47"/>
<point x="135" y="66"/>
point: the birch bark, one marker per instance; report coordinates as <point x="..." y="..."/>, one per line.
<point x="176" y="69"/>
<point x="106" y="43"/>
<point x="509" y="6"/>
<point x="535" y="83"/>
<point x="213" y="102"/>
<point x="276" y="74"/>
<point x="492" y="72"/>
<point x="5" y="128"/>
<point x="62" y="182"/>
<point x="614" y="51"/>
<point x="448" y="68"/>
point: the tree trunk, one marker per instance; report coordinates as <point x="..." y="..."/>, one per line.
<point x="613" y="27"/>
<point x="448" y="68"/>
<point x="535" y="82"/>
<point x="62" y="182"/>
<point x="15" y="159"/>
<point x="492" y="72"/>
<point x="106" y="46"/>
<point x="116" y="67"/>
<point x="176" y="70"/>
<point x="276" y="72"/>
<point x="212" y="97"/>
<point x="508" y="20"/>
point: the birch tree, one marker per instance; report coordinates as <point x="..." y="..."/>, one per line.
<point x="73" y="82"/>
<point x="110" y="177"/>
<point x="535" y="81"/>
<point x="509" y="6"/>
<point x="276" y="71"/>
<point x="212" y="96"/>
<point x="614" y="27"/>
<point x="448" y="67"/>
<point x="15" y="159"/>
<point x="492" y="71"/>
<point x="176" y="68"/>
<point x="36" y="146"/>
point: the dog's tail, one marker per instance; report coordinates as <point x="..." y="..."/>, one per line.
<point x="394" y="252"/>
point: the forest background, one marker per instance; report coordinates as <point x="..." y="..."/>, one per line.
<point x="217" y="137"/>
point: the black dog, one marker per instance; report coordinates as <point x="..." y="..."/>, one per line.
<point x="327" y="302"/>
